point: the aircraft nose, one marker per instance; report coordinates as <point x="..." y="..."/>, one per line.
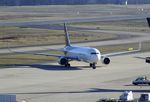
<point x="98" y="57"/>
<point x="95" y="58"/>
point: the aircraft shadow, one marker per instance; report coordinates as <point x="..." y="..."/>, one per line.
<point x="92" y="90"/>
<point x="40" y="66"/>
<point x="88" y="67"/>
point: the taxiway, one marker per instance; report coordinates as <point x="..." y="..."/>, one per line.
<point x="49" y="82"/>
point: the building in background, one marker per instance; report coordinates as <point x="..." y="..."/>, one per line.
<point x="69" y="2"/>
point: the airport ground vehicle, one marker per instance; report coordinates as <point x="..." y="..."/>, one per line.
<point x="147" y="60"/>
<point x="141" y="80"/>
<point x="126" y="96"/>
<point x="145" y="97"/>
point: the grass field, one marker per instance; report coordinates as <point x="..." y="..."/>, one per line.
<point x="16" y="36"/>
<point x="57" y="12"/>
<point x="22" y="36"/>
<point x="124" y="25"/>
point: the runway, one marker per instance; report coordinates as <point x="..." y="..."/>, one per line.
<point x="49" y="82"/>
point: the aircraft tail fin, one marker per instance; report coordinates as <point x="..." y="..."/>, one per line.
<point x="140" y="46"/>
<point x="148" y="21"/>
<point x="67" y="40"/>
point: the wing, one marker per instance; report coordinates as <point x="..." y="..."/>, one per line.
<point x="147" y="59"/>
<point x="140" y="57"/>
<point x="48" y="49"/>
<point x="123" y="52"/>
<point x="42" y="54"/>
<point x="53" y="55"/>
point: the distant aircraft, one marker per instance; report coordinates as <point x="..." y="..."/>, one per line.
<point x="147" y="59"/>
<point x="148" y="21"/>
<point x="86" y="54"/>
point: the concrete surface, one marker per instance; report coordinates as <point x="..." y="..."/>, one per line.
<point x="49" y="82"/>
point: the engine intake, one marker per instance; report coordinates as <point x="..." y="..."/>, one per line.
<point x="63" y="61"/>
<point x="106" y="60"/>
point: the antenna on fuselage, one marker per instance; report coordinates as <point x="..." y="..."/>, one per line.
<point x="67" y="40"/>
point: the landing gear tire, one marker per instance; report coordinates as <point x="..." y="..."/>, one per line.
<point x="67" y="65"/>
<point x="93" y="65"/>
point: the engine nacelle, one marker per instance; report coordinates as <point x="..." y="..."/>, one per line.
<point x="105" y="60"/>
<point x="63" y="61"/>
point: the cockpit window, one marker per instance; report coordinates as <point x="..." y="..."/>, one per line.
<point x="94" y="53"/>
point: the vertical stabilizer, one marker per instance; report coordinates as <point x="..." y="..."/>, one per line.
<point x="67" y="40"/>
<point x="140" y="46"/>
<point x="148" y="21"/>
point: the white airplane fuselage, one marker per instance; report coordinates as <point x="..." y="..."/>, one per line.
<point x="86" y="54"/>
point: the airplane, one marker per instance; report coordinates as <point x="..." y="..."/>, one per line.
<point x="148" y="21"/>
<point x="89" y="55"/>
<point x="147" y="59"/>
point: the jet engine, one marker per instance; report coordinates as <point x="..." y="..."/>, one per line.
<point x="63" y="61"/>
<point x="105" y="60"/>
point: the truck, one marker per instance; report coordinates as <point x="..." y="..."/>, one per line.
<point x="145" y="97"/>
<point x="147" y="60"/>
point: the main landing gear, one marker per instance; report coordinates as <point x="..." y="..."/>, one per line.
<point x="67" y="65"/>
<point x="93" y="65"/>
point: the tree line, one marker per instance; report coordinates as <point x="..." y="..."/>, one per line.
<point x="68" y="2"/>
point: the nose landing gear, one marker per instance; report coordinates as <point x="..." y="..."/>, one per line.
<point x="93" y="65"/>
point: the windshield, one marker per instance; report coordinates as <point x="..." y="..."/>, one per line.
<point x="94" y="53"/>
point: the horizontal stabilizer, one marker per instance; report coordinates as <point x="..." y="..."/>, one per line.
<point x="148" y="21"/>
